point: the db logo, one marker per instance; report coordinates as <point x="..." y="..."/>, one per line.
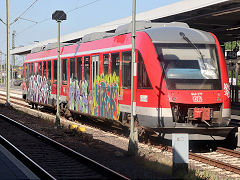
<point x="197" y="98"/>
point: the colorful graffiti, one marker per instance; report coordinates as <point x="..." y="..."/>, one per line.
<point x="38" y="89"/>
<point x="79" y="96"/>
<point x="105" y="96"/>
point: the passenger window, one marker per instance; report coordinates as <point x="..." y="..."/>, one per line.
<point x="72" y="68"/>
<point x="55" y="70"/>
<point x="49" y="73"/>
<point x="79" y="68"/>
<point x="31" y="69"/>
<point x="40" y="68"/>
<point x="115" y="63"/>
<point x="105" y="64"/>
<point x="143" y="80"/>
<point x="126" y="69"/>
<point x="87" y="68"/>
<point x="36" y="68"/>
<point x="44" y="68"/>
<point x="95" y="70"/>
<point x="26" y="70"/>
<point x="64" y="71"/>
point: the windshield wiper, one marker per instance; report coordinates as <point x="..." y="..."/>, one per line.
<point x="193" y="45"/>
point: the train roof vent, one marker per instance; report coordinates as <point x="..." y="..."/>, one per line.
<point x="127" y="28"/>
<point x="96" y="36"/>
<point x="55" y="45"/>
<point x="171" y="24"/>
<point x="142" y="25"/>
<point x="37" y="49"/>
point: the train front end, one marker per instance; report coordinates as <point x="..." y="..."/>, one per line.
<point x="195" y="83"/>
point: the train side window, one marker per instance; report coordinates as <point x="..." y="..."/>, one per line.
<point x="95" y="66"/>
<point x="64" y="71"/>
<point x="126" y="69"/>
<point x="49" y="69"/>
<point x="44" y="68"/>
<point x="87" y="69"/>
<point x="28" y="70"/>
<point x="105" y="64"/>
<point x="143" y="81"/>
<point x="55" y="70"/>
<point x="115" y="63"/>
<point x="36" y="68"/>
<point x="40" y="68"/>
<point x="31" y="69"/>
<point x="72" y="68"/>
<point x="79" y="68"/>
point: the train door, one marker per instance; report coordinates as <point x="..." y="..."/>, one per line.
<point x="95" y="67"/>
<point x="64" y="77"/>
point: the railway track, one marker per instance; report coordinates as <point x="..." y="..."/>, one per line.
<point x="206" y="158"/>
<point x="49" y="159"/>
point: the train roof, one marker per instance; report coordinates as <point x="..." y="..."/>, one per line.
<point x="171" y="34"/>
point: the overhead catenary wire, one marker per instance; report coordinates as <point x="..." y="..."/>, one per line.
<point x="24" y="12"/>
<point x="69" y="11"/>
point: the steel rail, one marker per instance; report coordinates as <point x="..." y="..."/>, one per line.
<point x="107" y="172"/>
<point x="34" y="167"/>
<point x="228" y="152"/>
<point x="215" y="163"/>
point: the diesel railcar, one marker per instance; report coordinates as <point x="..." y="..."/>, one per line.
<point x="182" y="79"/>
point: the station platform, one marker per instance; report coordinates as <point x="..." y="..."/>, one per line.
<point x="11" y="168"/>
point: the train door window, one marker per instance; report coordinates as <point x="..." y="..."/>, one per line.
<point x="72" y="68"/>
<point x="55" y="70"/>
<point x="143" y="81"/>
<point x="44" y="68"/>
<point x="31" y="69"/>
<point x="87" y="69"/>
<point x="79" y="68"/>
<point x="64" y="71"/>
<point x="115" y="63"/>
<point x="40" y="68"/>
<point x="36" y="68"/>
<point x="105" y="64"/>
<point x="126" y="69"/>
<point x="95" y="66"/>
<point x="28" y="69"/>
<point x="49" y="69"/>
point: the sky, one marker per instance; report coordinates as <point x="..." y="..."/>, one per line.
<point x="36" y="23"/>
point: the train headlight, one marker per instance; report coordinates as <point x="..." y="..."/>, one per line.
<point x="174" y="99"/>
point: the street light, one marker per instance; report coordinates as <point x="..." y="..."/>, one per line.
<point x="59" y="16"/>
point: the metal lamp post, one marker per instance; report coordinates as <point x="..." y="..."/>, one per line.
<point x="133" y="140"/>
<point x="59" y="16"/>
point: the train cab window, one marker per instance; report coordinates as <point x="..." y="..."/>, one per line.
<point x="79" y="68"/>
<point x="72" y="68"/>
<point x="49" y="71"/>
<point x="105" y="63"/>
<point x="87" y="69"/>
<point x="126" y="69"/>
<point x="64" y="71"/>
<point x="55" y="71"/>
<point x="115" y="63"/>
<point x="40" y="68"/>
<point x="143" y="81"/>
<point x="44" y="68"/>
<point x="36" y="68"/>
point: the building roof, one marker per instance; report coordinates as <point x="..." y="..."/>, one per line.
<point x="218" y="16"/>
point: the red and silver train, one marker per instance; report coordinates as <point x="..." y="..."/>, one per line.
<point x="182" y="79"/>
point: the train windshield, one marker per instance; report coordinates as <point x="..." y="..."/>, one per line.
<point x="189" y="67"/>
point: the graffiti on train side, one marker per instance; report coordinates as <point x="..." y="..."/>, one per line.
<point x="79" y="96"/>
<point x="105" y="96"/>
<point x="39" y="89"/>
